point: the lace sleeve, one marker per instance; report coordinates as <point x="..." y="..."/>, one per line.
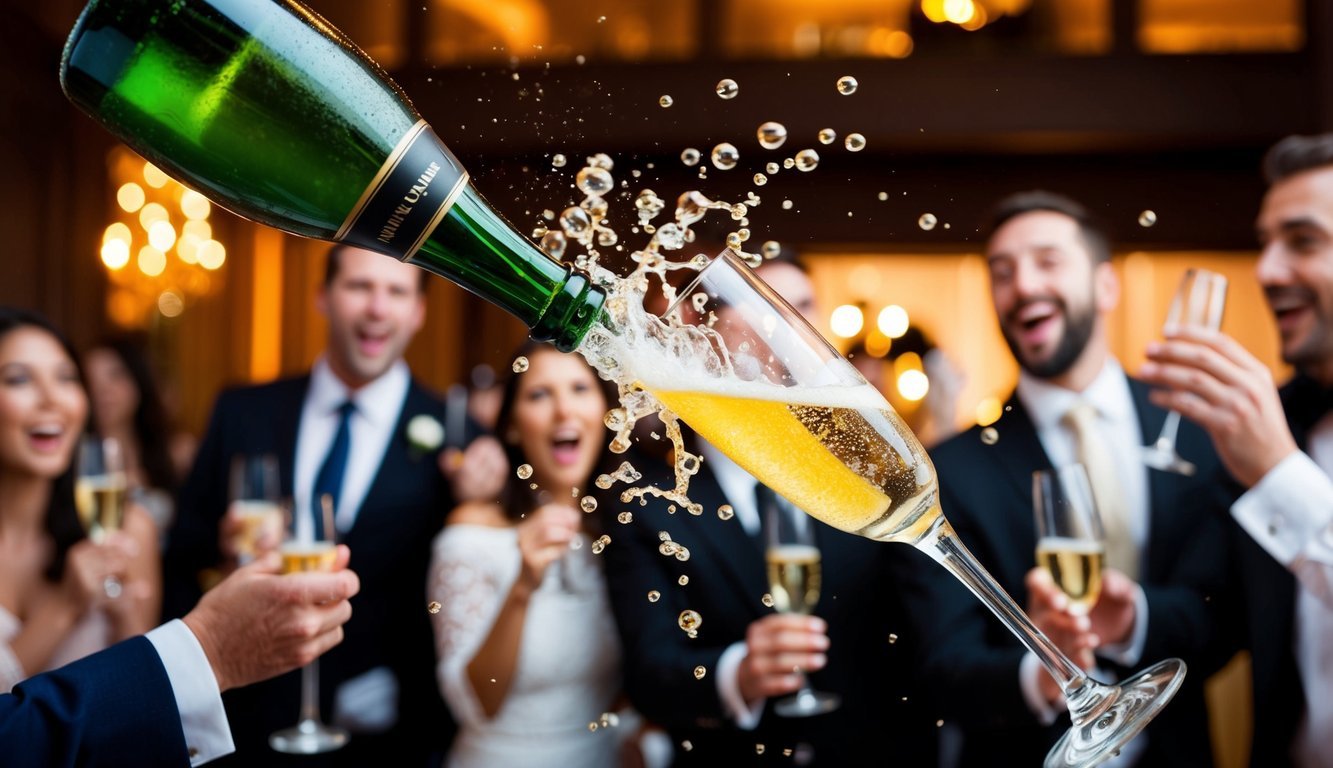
<point x="471" y="571"/>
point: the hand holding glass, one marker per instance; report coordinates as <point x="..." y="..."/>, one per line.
<point x="100" y="488"/>
<point x="1070" y="543"/>
<point x="794" y="413"/>
<point x="1199" y="300"/>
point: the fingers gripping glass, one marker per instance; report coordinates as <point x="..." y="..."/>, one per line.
<point x="1200" y="300"/>
<point x="782" y="403"/>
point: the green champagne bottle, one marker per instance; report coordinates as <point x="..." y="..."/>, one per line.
<point x="266" y="109"/>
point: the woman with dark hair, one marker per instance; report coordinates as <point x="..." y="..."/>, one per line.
<point x="54" y="603"/>
<point x="528" y="654"/>
<point x="128" y="406"/>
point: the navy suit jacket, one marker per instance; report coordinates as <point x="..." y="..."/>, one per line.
<point x="390" y="544"/>
<point x="112" y="708"/>
<point x="871" y="647"/>
<point x="972" y="659"/>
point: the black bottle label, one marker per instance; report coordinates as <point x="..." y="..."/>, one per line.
<point x="409" y="196"/>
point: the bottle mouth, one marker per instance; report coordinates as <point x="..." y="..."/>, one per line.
<point x="570" y="313"/>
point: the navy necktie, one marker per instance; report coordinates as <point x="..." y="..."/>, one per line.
<point x="329" y="479"/>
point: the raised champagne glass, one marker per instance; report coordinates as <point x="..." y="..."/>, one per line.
<point x="764" y="387"/>
<point x="256" y="505"/>
<point x="100" y="490"/>
<point x="1071" y="546"/>
<point x="309" y="547"/>
<point x="1199" y="300"/>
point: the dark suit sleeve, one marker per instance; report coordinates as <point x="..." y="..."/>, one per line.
<point x="114" y="707"/>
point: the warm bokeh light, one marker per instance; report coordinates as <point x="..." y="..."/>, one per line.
<point x="913" y="385"/>
<point x="893" y="321"/>
<point x="978" y="20"/>
<point x="195" y="205"/>
<point x="170" y="304"/>
<point x="187" y="248"/>
<point x="846" y="321"/>
<point x="198" y="229"/>
<point x="118" y="231"/>
<point x="934" y="10"/>
<point x="959" y="11"/>
<point x="151" y="214"/>
<point x="130" y="197"/>
<point x="115" y="254"/>
<point x="989" y="411"/>
<point x="162" y="235"/>
<point x="155" y="177"/>
<point x="151" y="261"/>
<point x="877" y="344"/>
<point x="211" y="254"/>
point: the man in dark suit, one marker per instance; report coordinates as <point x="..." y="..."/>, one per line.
<point x="154" y="700"/>
<point x="1278" y="445"/>
<point x="343" y="431"/>
<point x="1162" y="596"/>
<point x="714" y="692"/>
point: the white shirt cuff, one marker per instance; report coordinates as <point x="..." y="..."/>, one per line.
<point x="1028" y="670"/>
<point x="1289" y="510"/>
<point x="203" y="719"/>
<point x="729" y="689"/>
<point x="1128" y="653"/>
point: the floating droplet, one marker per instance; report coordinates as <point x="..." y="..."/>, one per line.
<point x="990" y="436"/>
<point x="699" y="672"/>
<point x="594" y="181"/>
<point x="927" y="221"/>
<point x="772" y="168"/>
<point x="854" y="142"/>
<point x="727" y="88"/>
<point x="767" y="600"/>
<point x="553" y="244"/>
<point x="663" y="536"/>
<point x="667" y="548"/>
<point x="1147" y="218"/>
<point x="601" y="160"/>
<point x="847" y="85"/>
<point x="689" y="620"/>
<point x="759" y="749"/>
<point x="575" y="221"/>
<point x="520" y="364"/>
<point x="654" y="596"/>
<point x="683" y="580"/>
<point x="433" y="607"/>
<point x="604" y="481"/>
<point x="725" y="156"/>
<point x="524" y="471"/>
<point x="665" y="101"/>
<point x="786" y="205"/>
<point x="760" y="179"/>
<point x="610" y="720"/>
<point x="686" y="745"/>
<point x="807" y="160"/>
<point x="600" y="543"/>
<point x="771" y="249"/>
<point x="682" y="553"/>
<point x="725" y="512"/>
<point x="827" y="135"/>
<point x="558" y="161"/>
<point x="625" y="517"/>
<point x="882" y="196"/>
<point x="690" y="156"/>
<point x="592" y="727"/>
<point x="893" y="638"/>
<point x="772" y="135"/>
<point x="588" y="504"/>
<point x="739" y="211"/>
<point x="616" y="418"/>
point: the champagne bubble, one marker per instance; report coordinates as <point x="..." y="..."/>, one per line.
<point x="604" y="481"/>
<point x="772" y="135"/>
<point x="663" y="536"/>
<point x="601" y="160"/>
<point x="594" y="181"/>
<point x="683" y="580"/>
<point x="682" y="553"/>
<point x="827" y="135"/>
<point x="592" y="727"/>
<point x="760" y="179"/>
<point x="727" y="88"/>
<point x="553" y="244"/>
<point x="788" y="163"/>
<point x="854" y="142"/>
<point x="847" y="85"/>
<point x="575" y="221"/>
<point x="520" y="364"/>
<point x="616" y="419"/>
<point x="588" y="504"/>
<point x="558" y="161"/>
<point x="893" y="638"/>
<point x="725" y="156"/>
<point x="433" y="607"/>
<point x="610" y="720"/>
<point x="882" y="196"/>
<point x="725" y="512"/>
<point x="927" y="221"/>
<point x="699" y="672"/>
<point x="686" y="745"/>
<point x="990" y="436"/>
<point x="690" y="156"/>
<point x="786" y="205"/>
<point x="739" y="211"/>
<point x="654" y="596"/>
<point x="807" y="160"/>
<point x="600" y="544"/>
<point x="667" y="548"/>
<point x="689" y="620"/>
<point x="665" y="101"/>
<point x="772" y="168"/>
<point x="690" y="207"/>
<point x="625" y="518"/>
<point x="767" y="600"/>
<point x="759" y="749"/>
<point x="1147" y="218"/>
<point x="524" y="471"/>
<point x="771" y="249"/>
<point x="649" y="203"/>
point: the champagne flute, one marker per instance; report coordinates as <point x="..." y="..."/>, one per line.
<point x="1070" y="542"/>
<point x="307" y="549"/>
<point x="255" y="503"/>
<point x="1199" y="300"/>
<point x="793" y="582"/>
<point x="100" y="489"/>
<point x="750" y="376"/>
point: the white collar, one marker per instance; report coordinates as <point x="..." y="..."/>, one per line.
<point x="1047" y="403"/>
<point x="379" y="401"/>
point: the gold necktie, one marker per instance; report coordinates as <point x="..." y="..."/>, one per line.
<point x="1094" y="453"/>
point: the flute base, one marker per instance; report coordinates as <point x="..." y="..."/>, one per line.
<point x="1107" y="717"/>
<point x="308" y="737"/>
<point x="1165" y="458"/>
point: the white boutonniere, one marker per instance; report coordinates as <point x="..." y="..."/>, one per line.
<point x="424" y="433"/>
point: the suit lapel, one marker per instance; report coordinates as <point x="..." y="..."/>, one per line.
<point x="1021" y="452"/>
<point x="286" y="425"/>
<point x="392" y="464"/>
<point x="1162" y="486"/>
<point x="731" y="545"/>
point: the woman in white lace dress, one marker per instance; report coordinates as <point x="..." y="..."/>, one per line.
<point x="528" y="656"/>
<point x="53" y="605"/>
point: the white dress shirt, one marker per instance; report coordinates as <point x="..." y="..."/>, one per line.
<point x="1290" y="514"/>
<point x="203" y="718"/>
<point x="1047" y="405"/>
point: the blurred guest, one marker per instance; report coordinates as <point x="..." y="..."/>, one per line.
<point x="931" y="415"/>
<point x="155" y="700"/>
<point x="713" y="692"/>
<point x="128" y="407"/>
<point x="528" y="655"/>
<point x="55" y="605"/>
<point x="1279" y="445"/>
<point x="1163" y="593"/>
<point x="359" y="430"/>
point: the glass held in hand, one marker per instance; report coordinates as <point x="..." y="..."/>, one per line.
<point x="309" y="547"/>
<point x="100" y="490"/>
<point x="1199" y="300"/>
<point x="793" y="562"/>
<point x="748" y="374"/>
<point x="1070" y="542"/>
<point x="255" y="504"/>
